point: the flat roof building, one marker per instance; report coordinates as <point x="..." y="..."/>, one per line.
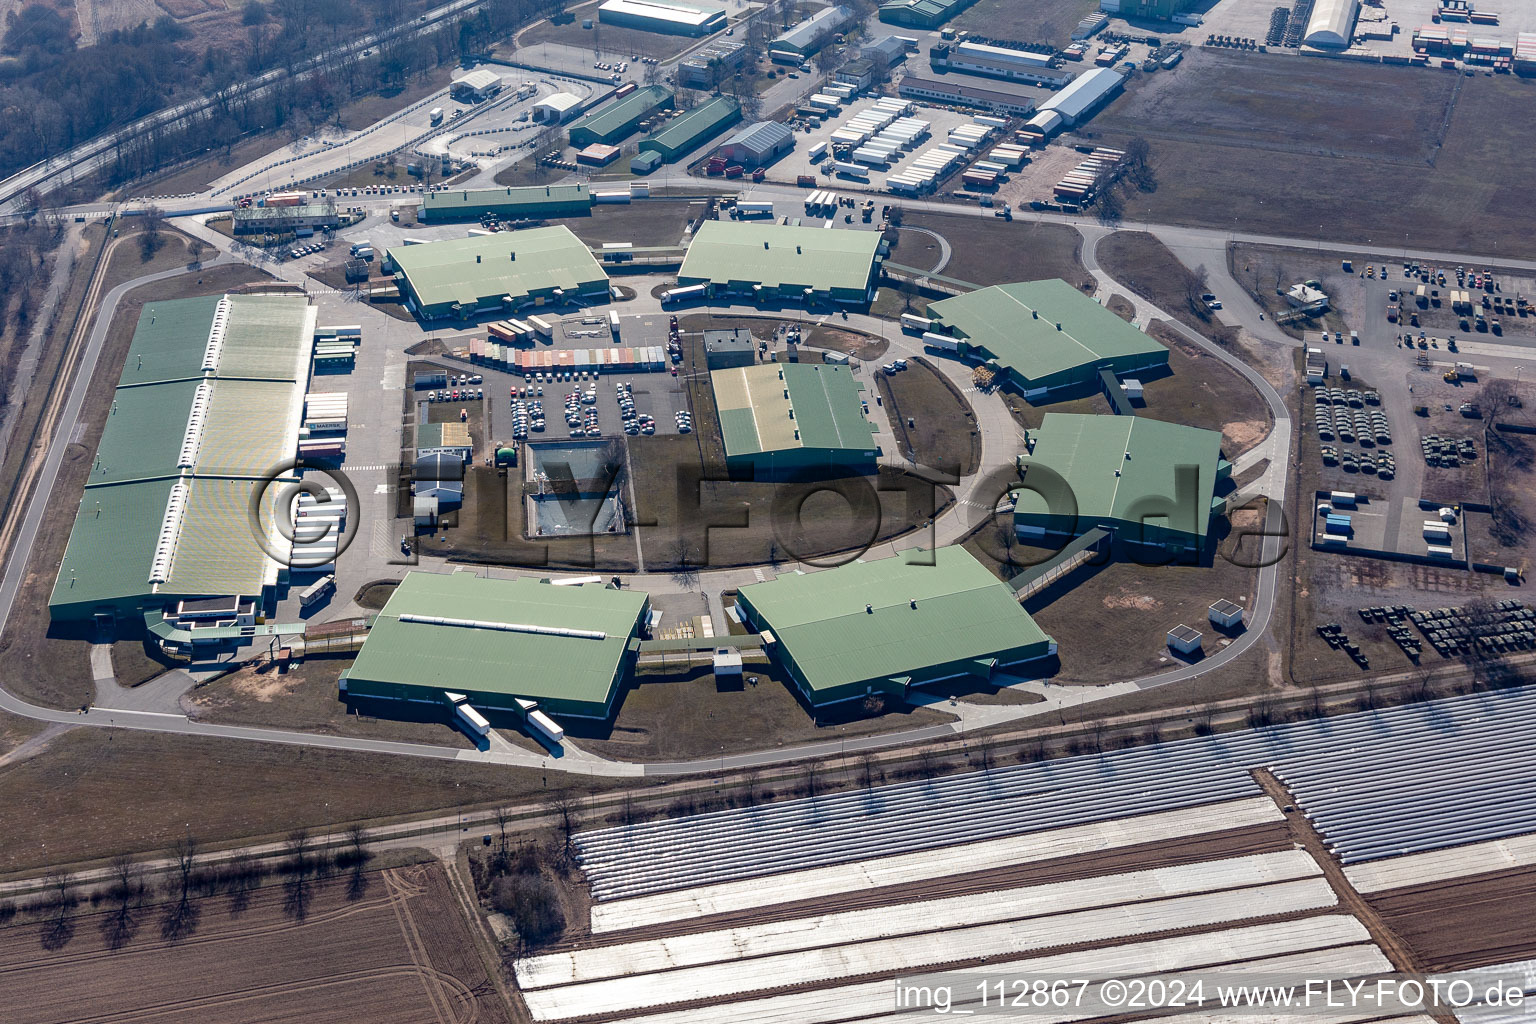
<point x="534" y="202"/>
<point x="1150" y="484"/>
<point x="682" y="135"/>
<point x="959" y="94"/>
<point x="724" y="350"/>
<point x="568" y="648"/>
<point x="459" y="277"/>
<point x="1045" y="336"/>
<point x="449" y="439"/>
<point x="890" y="626"/>
<point x="251" y="219"/>
<point x="208" y="405"/>
<point x="478" y="85"/>
<point x="708" y="66"/>
<point x="921" y="13"/>
<point x="779" y="262"/>
<point x="613" y="122"/>
<point x="656" y="16"/>
<point x="789" y="419"/>
<point x="999" y="62"/>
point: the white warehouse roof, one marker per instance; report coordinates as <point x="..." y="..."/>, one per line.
<point x="680" y="14"/>
<point x="560" y="102"/>
<point x="1332" y="23"/>
<point x="1005" y="54"/>
<point x="1079" y="95"/>
<point x="804" y="35"/>
<point x="478" y="80"/>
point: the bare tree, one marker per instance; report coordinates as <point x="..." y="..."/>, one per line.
<point x="867" y="770"/>
<point x="152" y="235"/>
<point x="563" y="805"/>
<point x="685" y="571"/>
<point x="185" y="854"/>
<point x="503" y="817"/>
<point x="812" y="777"/>
<point x="297" y="891"/>
<point x="59" y="904"/>
<point x="127" y="887"/>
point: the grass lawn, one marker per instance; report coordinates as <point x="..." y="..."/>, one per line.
<point x="139" y="791"/>
<point x="51" y="666"/>
<point x="1147" y="267"/>
<point x="304" y="697"/>
<point x="675" y="716"/>
<point x="943" y="434"/>
<point x="985" y="250"/>
<point x="645" y="224"/>
<point x="1386" y="153"/>
<point x="1025" y="21"/>
<point x="1121" y="307"/>
<point x="1136" y="605"/>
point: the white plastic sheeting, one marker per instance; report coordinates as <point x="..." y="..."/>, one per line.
<point x="728" y="897"/>
<point x="937" y="915"/>
<point x="888" y="956"/>
<point x="1457" y="862"/>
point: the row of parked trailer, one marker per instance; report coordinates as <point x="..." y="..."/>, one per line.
<point x="1080" y="182"/>
<point x="937" y="162"/>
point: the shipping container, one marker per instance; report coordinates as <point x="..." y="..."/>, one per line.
<point x="915" y="322"/>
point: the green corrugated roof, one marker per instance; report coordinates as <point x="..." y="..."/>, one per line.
<point x="169" y="341"/>
<point x="524" y="664"/>
<point x="962" y="611"/>
<point x="111" y="544"/>
<point x="755" y="414"/>
<point x="684" y="133"/>
<point x="776" y="255"/>
<point x="612" y="117"/>
<point x="532" y="197"/>
<point x="447" y="271"/>
<point x="1016" y="325"/>
<point x="1089" y="453"/>
<point x="143" y="433"/>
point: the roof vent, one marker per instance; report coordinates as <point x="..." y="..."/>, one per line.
<point x="1058" y="325"/>
<point x="912" y="602"/>
<point x="765" y="243"/>
<point x="513" y="256"/>
<point x="869" y="609"/>
<point x="1034" y="314"/>
<point x="477" y="257"/>
<point x="797" y="250"/>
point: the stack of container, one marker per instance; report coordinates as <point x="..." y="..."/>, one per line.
<point x="325" y="412"/>
<point x="336" y="347"/>
<point x="617" y="359"/>
<point x="971" y="135"/>
<point x="1009" y="154"/>
<point x="1079" y="183"/>
<point x="1337" y="523"/>
<point x="925" y="170"/>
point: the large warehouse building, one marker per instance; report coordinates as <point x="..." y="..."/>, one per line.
<point x="1150" y="484"/>
<point x="656" y="16"/>
<point x="566" y="648"/>
<point x="1003" y="62"/>
<point x="1079" y="100"/>
<point x="210" y="400"/>
<point x="810" y="35"/>
<point x="682" y="135"/>
<point x="921" y="13"/>
<point x="460" y="277"/>
<point x="1045" y="336"/>
<point x="1332" y="24"/>
<point x="759" y="145"/>
<point x="783" y="420"/>
<point x="616" y="121"/>
<point x="534" y="202"/>
<point x="888" y="626"/>
<point x="782" y="263"/>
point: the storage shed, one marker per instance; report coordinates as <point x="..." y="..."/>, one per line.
<point x="1226" y="614"/>
<point x="1184" y="639"/>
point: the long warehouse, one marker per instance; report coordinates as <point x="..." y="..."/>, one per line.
<point x="209" y="401"/>
<point x="534" y="202"/>
<point x="566" y="648"/>
<point x="782" y="263"/>
<point x="891" y="625"/>
<point x="1045" y="336"/>
<point x="791" y="419"/>
<point x="460" y="277"/>
<point x="1151" y="484"/>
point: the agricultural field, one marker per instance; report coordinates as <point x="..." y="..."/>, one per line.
<point x="1385" y="153"/>
<point x="383" y="946"/>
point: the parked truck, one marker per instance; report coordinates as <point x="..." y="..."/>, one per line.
<point x="436" y="116"/>
<point x="317" y="591"/>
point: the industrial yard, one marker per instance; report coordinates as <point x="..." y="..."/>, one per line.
<point x="668" y="512"/>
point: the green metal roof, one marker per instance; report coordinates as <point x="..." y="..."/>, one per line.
<point x="482" y="267"/>
<point x="478" y="656"/>
<point x="778" y="256"/>
<point x="891" y="617"/>
<point x="822" y="408"/>
<point x="143" y="433"/>
<point x="112" y="543"/>
<point x="169" y="341"/>
<point x="614" y="117"/>
<point x="1016" y="325"/>
<point x="683" y="133"/>
<point x="1116" y="466"/>
<point x="464" y="202"/>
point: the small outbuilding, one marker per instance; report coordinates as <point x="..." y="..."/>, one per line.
<point x="1184" y="639"/>
<point x="1226" y="614"/>
<point x="724" y="350"/>
<point x="476" y="86"/>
